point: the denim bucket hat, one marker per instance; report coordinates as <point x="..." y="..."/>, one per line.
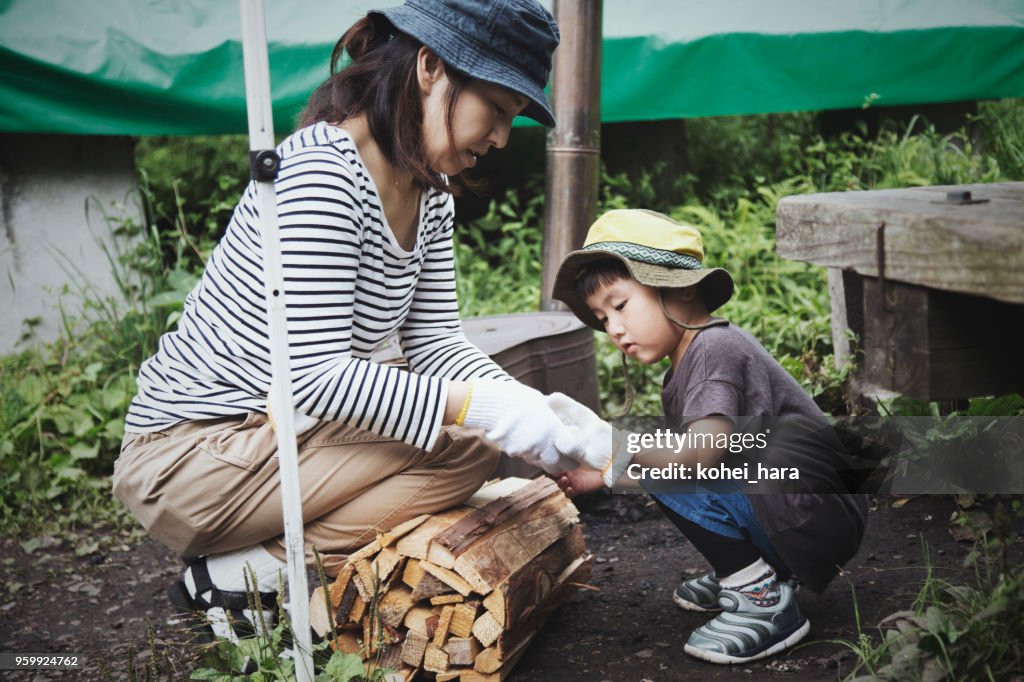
<point x="658" y="252"/>
<point x="505" y="42"/>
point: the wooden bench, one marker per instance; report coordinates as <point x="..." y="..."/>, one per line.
<point x="930" y="280"/>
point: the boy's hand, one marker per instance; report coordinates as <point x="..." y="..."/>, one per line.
<point x="579" y="481"/>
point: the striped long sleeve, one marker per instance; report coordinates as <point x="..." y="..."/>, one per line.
<point x="348" y="286"/>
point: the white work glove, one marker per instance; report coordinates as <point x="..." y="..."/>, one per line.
<point x="515" y="417"/>
<point x="602" y="445"/>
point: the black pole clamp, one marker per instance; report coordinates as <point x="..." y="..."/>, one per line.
<point x="263" y="165"/>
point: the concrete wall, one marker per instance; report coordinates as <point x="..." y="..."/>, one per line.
<point x="46" y="182"/>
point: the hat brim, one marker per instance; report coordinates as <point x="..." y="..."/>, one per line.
<point x="715" y="284"/>
<point x="418" y="25"/>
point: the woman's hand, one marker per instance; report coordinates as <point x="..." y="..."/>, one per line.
<point x="516" y="418"/>
<point x="603" y="447"/>
<point x="595" y="433"/>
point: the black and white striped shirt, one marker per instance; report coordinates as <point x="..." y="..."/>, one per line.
<point x="349" y="286"/>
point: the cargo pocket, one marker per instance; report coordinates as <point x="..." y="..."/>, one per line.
<point x="247" y="445"/>
<point x="135" y="459"/>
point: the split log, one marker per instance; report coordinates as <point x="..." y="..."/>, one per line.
<point x="364" y="553"/>
<point x="429" y="586"/>
<point x="416" y="543"/>
<point x="510" y="642"/>
<point x="449" y="544"/>
<point x="395" y="604"/>
<point x="358" y="609"/>
<point x="413" y="649"/>
<point x="321" y="620"/>
<point x="387" y="538"/>
<point x="463" y="618"/>
<point x="462" y="650"/>
<point x="390" y="658"/>
<point x="450" y="578"/>
<point x="443" y="624"/>
<point x="494" y="557"/>
<point x="487" y="629"/>
<point x="435" y="659"/>
<point x="491" y="667"/>
<point x="416" y="620"/>
<point x="343" y="595"/>
<point x="375" y="574"/>
<point x="348" y="642"/>
<point x="413" y="573"/>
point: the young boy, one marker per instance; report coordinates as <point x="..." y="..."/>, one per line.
<point x="639" y="278"/>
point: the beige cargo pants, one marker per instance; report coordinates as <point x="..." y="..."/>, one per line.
<point x="212" y="486"/>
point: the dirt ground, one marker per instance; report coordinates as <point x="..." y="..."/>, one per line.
<point x="98" y="604"/>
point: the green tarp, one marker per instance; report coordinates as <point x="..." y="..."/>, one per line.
<point x="142" y="67"/>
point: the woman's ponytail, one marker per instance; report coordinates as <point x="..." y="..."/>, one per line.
<point x="364" y="35"/>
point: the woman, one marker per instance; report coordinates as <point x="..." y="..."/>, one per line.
<point x="366" y="218"/>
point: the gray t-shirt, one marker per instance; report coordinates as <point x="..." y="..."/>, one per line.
<point x="815" y="525"/>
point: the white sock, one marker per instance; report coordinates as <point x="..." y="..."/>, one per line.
<point x="757" y="582"/>
<point x="228" y="571"/>
<point x="744" y="576"/>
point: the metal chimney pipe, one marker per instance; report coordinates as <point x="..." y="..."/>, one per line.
<point x="574" y="145"/>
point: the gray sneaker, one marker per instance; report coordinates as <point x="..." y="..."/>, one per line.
<point x="746" y="632"/>
<point x="698" y="594"/>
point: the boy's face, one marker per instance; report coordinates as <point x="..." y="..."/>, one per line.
<point x="632" y="317"/>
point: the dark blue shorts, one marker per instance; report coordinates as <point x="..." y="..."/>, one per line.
<point x="725" y="513"/>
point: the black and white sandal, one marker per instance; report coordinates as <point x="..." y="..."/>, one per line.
<point x="234" y="604"/>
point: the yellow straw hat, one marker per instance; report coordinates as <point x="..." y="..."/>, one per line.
<point x="657" y="251"/>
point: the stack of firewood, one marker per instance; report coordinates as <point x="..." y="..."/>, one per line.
<point x="459" y="594"/>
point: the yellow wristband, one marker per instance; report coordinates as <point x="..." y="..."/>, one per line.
<point x="608" y="465"/>
<point x="465" y="407"/>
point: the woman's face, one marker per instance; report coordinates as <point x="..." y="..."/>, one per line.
<point x="481" y="119"/>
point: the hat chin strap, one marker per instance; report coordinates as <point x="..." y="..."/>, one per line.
<point x="628" y="404"/>
<point x="684" y="325"/>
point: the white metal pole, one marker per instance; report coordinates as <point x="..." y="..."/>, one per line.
<point x="264" y="163"/>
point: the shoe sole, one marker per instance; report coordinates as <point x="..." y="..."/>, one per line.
<point x="692" y="606"/>
<point x="726" y="659"/>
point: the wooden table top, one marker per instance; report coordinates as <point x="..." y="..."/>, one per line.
<point x="917" y="234"/>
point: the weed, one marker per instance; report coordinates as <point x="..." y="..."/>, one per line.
<point x="152" y="665"/>
<point x="951" y="631"/>
<point x="269" y="650"/>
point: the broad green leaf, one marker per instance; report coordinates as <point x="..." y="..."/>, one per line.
<point x="92" y="370"/>
<point x="344" y="667"/>
<point x="82" y="450"/>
